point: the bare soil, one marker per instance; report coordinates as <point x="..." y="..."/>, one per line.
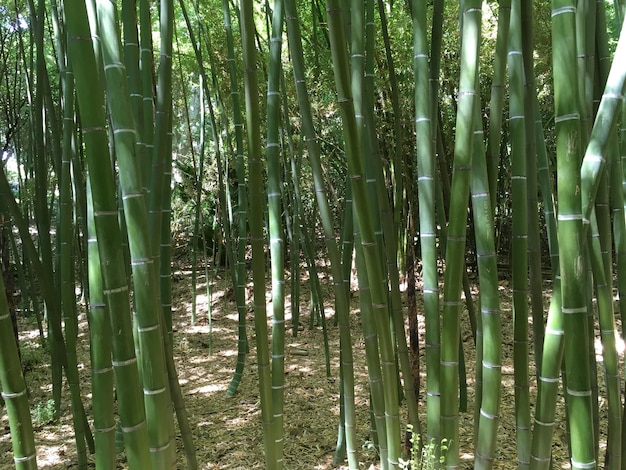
<point x="227" y="431"/>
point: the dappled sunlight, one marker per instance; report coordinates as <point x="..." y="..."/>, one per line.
<point x="311" y="407"/>
<point x="599" y="348"/>
<point x="208" y="389"/>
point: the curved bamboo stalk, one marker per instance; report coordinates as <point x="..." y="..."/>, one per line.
<point x="369" y="145"/>
<point x="373" y="358"/>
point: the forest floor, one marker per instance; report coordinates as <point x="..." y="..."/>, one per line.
<point x="227" y="431"/>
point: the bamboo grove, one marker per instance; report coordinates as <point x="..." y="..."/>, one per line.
<point x="427" y="149"/>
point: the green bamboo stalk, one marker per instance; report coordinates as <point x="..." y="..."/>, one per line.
<point x="166" y="310"/>
<point x="398" y="163"/>
<point x="604" y="61"/>
<point x="255" y="218"/>
<point x="362" y="107"/>
<point x="548" y="384"/>
<point x="621" y="277"/>
<point x="292" y="172"/>
<point x="90" y="94"/>
<point x="553" y="344"/>
<point x="162" y="127"/>
<point x="199" y="171"/>
<point x="100" y="351"/>
<point x="389" y="229"/>
<point x="519" y="237"/>
<point x="363" y="210"/>
<point x="363" y="207"/>
<point x="427" y="217"/>
<point x="146" y="66"/>
<point x="42" y="213"/>
<point x="14" y="392"/>
<point x="67" y="278"/>
<point x="534" y="237"/>
<point x="131" y="60"/>
<point x="347" y="239"/>
<point x="606" y="118"/>
<point x="241" y="211"/>
<point x="619" y="226"/>
<point x="341" y="293"/>
<point x="570" y="232"/>
<point x="65" y="245"/>
<point x="146" y="299"/>
<point x="586" y="48"/>
<point x="496" y="103"/>
<point x="455" y="249"/>
<point x="601" y="263"/>
<point x="443" y="190"/>
<point x="488" y="337"/>
<point x="373" y="359"/>
<point x="276" y="233"/>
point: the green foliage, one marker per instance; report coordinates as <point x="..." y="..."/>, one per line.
<point x="34" y="357"/>
<point x="43" y="413"/>
<point x="430" y="456"/>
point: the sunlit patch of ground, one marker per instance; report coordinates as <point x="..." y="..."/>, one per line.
<point x="227" y="431"/>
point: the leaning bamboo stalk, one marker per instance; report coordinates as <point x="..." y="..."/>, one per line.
<point x="595" y="159"/>
<point x="363" y="210"/>
<point x="390" y="230"/>
<point x="340" y="290"/>
<point x="601" y="260"/>
<point x="14" y="392"/>
<point x="365" y="130"/>
<point x="90" y="94"/>
<point x="145" y="274"/>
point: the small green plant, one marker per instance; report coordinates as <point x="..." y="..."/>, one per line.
<point x="429" y="456"/>
<point x="43" y="413"/>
